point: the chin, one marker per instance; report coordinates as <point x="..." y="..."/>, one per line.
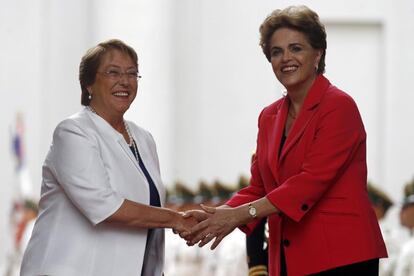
<point x="122" y="109"/>
<point x="289" y="84"/>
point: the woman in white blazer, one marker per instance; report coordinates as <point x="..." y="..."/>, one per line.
<point x="101" y="199"/>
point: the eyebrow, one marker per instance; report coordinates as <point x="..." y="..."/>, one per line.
<point x="290" y="45"/>
<point x="296" y="44"/>
<point x="117" y="66"/>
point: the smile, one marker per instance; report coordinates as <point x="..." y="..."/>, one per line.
<point x="121" y="94"/>
<point x="288" y="69"/>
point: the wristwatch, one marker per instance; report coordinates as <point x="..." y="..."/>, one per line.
<point x="252" y="211"/>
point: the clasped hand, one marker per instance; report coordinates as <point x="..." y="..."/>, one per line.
<point x="208" y="224"/>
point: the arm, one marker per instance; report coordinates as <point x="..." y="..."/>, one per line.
<point x="136" y="215"/>
<point x="81" y="173"/>
<point x="224" y="219"/>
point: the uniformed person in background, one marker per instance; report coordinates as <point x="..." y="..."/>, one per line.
<point x="256" y="248"/>
<point x="405" y="262"/>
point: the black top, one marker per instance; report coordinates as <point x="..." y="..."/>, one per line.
<point x="154" y="196"/>
<point x="282" y="143"/>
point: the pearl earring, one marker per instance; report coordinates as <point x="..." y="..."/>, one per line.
<point x="90" y="96"/>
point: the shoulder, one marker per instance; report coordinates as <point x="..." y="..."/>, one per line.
<point x="273" y="108"/>
<point x="79" y="124"/>
<point x="338" y="107"/>
<point x="336" y="97"/>
<point x="74" y="121"/>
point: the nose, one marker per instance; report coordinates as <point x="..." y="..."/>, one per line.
<point x="123" y="79"/>
<point x="286" y="56"/>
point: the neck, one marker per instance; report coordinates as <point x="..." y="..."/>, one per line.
<point x="116" y="121"/>
<point x="297" y="94"/>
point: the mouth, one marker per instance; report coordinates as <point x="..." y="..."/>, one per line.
<point x="121" y="94"/>
<point x="289" y="68"/>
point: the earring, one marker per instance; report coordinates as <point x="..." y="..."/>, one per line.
<point x="90" y="96"/>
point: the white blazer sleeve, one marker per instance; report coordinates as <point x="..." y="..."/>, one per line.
<point x="79" y="169"/>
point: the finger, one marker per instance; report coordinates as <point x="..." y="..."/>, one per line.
<point x="200" y="226"/>
<point x="206" y="240"/>
<point x="199" y="236"/>
<point x="184" y="234"/>
<point x="188" y="214"/>
<point x="189" y="243"/>
<point x="216" y="242"/>
<point x="196" y="214"/>
<point x="208" y="209"/>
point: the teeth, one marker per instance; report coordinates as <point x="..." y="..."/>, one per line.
<point x="289" y="69"/>
<point x="121" y="94"/>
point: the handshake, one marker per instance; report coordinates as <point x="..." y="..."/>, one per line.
<point x="202" y="226"/>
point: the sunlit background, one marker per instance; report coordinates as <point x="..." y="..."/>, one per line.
<point x="205" y="81"/>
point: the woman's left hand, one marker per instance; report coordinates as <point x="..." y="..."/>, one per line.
<point x="221" y="222"/>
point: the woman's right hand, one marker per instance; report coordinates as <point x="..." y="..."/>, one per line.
<point x="183" y="224"/>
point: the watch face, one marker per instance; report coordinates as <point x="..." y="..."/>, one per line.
<point x="252" y="211"/>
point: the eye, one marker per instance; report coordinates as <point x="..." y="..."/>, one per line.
<point x="132" y="74"/>
<point x="113" y="73"/>
<point x="296" y="48"/>
<point x="275" y="52"/>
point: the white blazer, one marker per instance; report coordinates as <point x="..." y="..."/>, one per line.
<point x="88" y="172"/>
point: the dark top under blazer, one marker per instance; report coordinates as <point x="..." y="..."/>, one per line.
<point x="318" y="183"/>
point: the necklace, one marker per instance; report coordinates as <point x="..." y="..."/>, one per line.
<point x="131" y="142"/>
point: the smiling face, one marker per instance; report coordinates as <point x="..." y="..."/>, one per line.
<point x="111" y="95"/>
<point x="293" y="59"/>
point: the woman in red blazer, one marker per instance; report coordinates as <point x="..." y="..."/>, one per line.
<point x="309" y="175"/>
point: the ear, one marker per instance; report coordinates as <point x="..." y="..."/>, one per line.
<point x="318" y="57"/>
<point x="89" y="90"/>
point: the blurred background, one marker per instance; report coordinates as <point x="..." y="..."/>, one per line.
<point x="205" y="81"/>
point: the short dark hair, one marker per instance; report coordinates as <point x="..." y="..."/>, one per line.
<point x="92" y="59"/>
<point x="299" y="18"/>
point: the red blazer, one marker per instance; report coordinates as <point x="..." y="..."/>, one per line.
<point x="318" y="183"/>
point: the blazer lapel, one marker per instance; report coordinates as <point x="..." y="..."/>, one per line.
<point x="313" y="98"/>
<point x="275" y="125"/>
<point x="150" y="161"/>
<point x="110" y="133"/>
<point x="130" y="155"/>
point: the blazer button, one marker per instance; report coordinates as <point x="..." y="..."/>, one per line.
<point x="286" y="243"/>
<point x="305" y="207"/>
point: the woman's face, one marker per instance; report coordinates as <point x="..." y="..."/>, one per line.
<point x="293" y="59"/>
<point x="115" y="85"/>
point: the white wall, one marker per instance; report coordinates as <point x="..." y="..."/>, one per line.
<point x="205" y="79"/>
<point x="398" y="74"/>
<point x="19" y="83"/>
<point x="222" y="84"/>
